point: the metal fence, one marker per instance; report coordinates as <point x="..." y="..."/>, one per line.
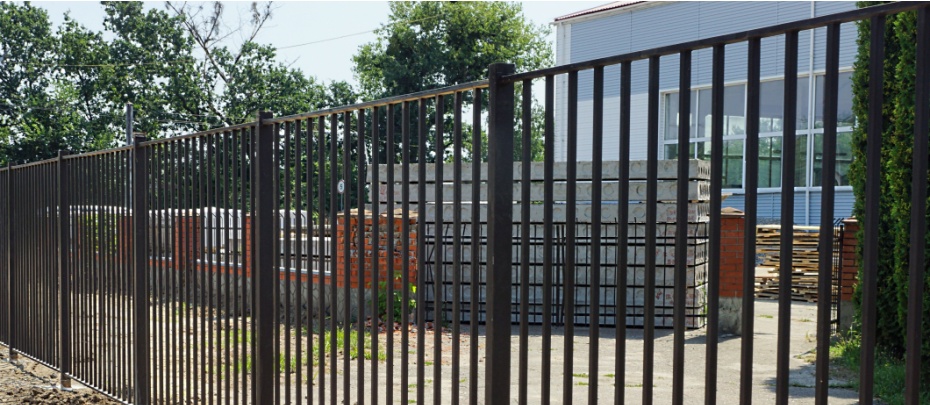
<point x="236" y="266"/>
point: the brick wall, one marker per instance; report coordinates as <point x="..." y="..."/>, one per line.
<point x="187" y="233"/>
<point x="732" y="231"/>
<point x="386" y="252"/>
<point x="849" y="273"/>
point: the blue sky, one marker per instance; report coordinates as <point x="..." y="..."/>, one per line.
<point x="336" y="28"/>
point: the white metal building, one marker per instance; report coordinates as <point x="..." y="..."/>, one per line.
<point x="623" y="27"/>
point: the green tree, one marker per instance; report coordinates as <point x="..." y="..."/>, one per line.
<point x="30" y="124"/>
<point x="427" y="45"/>
<point x="896" y="170"/>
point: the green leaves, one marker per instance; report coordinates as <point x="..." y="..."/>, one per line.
<point x="434" y="44"/>
<point x="896" y="170"/>
<point x="66" y="88"/>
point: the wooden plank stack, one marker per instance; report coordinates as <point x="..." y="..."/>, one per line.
<point x="439" y="242"/>
<point x="805" y="262"/>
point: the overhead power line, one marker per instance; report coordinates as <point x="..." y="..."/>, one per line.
<point x="161" y="63"/>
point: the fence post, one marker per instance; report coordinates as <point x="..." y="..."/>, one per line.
<point x="141" y="280"/>
<point x="500" y="221"/>
<point x="10" y="315"/>
<point x="263" y="360"/>
<point x="64" y="272"/>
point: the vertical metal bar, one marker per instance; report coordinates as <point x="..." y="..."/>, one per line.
<point x="405" y="255"/>
<point x="375" y="249"/>
<point x="872" y="197"/>
<point x="11" y="329"/>
<point x="422" y="125"/>
<point x="360" y="256"/>
<point x="64" y="270"/>
<point x="263" y="360"/>
<point x="438" y="287"/>
<point x="918" y="212"/>
<point x="225" y="272"/>
<point x="346" y="283"/>
<point x="548" y="262"/>
<point x="681" y="228"/>
<point x="787" y="219"/>
<point x="525" y="158"/>
<point x="277" y="262"/>
<point x="141" y="276"/>
<point x="321" y="252"/>
<point x="749" y="243"/>
<point x="568" y="277"/>
<point x="623" y="215"/>
<point x="333" y="249"/>
<point x="243" y="261"/>
<point x="310" y="264"/>
<point x="205" y="168"/>
<point x="475" y="262"/>
<point x="500" y="220"/>
<point x="205" y="243"/>
<point x="189" y="276"/>
<point x="161" y="206"/>
<point x="652" y="170"/>
<point x="286" y="263"/>
<point x="299" y="258"/>
<point x="456" y="244"/>
<point x="716" y="184"/>
<point x="176" y="197"/>
<point x="389" y="255"/>
<point x="253" y="277"/>
<point x="597" y="156"/>
<point x="824" y="276"/>
<point x="112" y="201"/>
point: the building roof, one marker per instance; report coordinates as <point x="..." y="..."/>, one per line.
<point x="609" y="6"/>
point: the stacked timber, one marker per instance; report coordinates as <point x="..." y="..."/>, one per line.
<point x="804" y="262"/>
<point x="442" y="240"/>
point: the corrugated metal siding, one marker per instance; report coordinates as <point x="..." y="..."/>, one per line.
<point x="689" y="21"/>
<point x="611" y="147"/>
<point x="770" y="205"/>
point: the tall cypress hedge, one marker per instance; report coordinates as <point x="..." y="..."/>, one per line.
<point x="896" y="169"/>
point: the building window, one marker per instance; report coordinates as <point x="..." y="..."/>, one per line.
<point x="843" y="159"/>
<point x="809" y="132"/>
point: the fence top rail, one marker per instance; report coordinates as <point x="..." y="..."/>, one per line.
<point x="800" y="25"/>
<point x="31" y="164"/>
<point x="99" y="152"/>
<point x="478" y="84"/>
<point x="200" y="134"/>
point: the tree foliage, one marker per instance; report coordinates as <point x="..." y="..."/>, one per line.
<point x="428" y="45"/>
<point x="67" y="88"/>
<point x="896" y="170"/>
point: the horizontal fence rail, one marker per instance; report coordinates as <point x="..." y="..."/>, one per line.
<point x="435" y="248"/>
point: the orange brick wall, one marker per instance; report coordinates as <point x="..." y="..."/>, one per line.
<point x="732" y="229"/>
<point x="849" y="274"/>
<point x="187" y="234"/>
<point x="386" y="252"/>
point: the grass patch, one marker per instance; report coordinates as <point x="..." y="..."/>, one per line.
<point x="245" y="365"/>
<point x="353" y="345"/>
<point x="805" y="320"/>
<point x="611" y="375"/>
<point x="580" y="375"/>
<point x="766" y="316"/>
<point x="889" y="371"/>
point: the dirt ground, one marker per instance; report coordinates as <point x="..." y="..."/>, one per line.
<point x="26" y="382"/>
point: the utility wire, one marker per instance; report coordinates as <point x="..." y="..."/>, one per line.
<point x="130" y="64"/>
